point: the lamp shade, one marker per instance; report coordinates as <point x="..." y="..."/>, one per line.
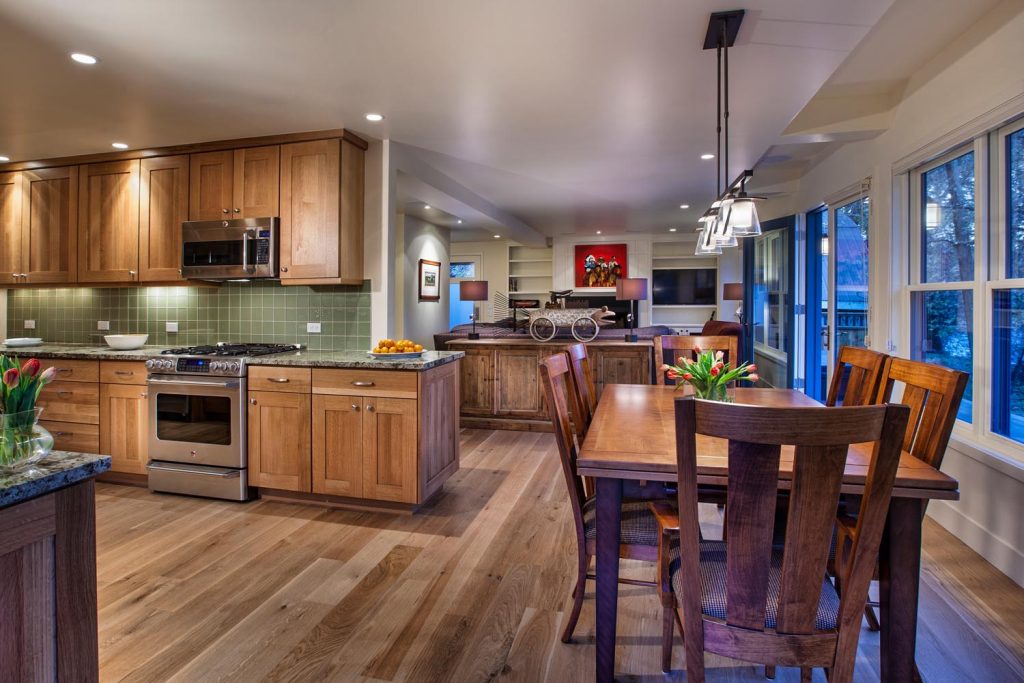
<point x="732" y="291"/>
<point x="473" y="290"/>
<point x="631" y="289"/>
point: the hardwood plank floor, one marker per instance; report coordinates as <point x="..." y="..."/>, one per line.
<point x="474" y="588"/>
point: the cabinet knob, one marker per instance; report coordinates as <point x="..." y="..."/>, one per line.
<point x="355" y="406"/>
<point x="284" y="269"/>
<point x="369" y="408"/>
<point x="237" y="210"/>
<point x="252" y="401"/>
<point x="143" y="395"/>
<point x="225" y="210"/>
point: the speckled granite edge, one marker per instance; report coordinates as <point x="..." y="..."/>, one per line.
<point x="356" y="359"/>
<point x="76" y="352"/>
<point x="58" y="470"/>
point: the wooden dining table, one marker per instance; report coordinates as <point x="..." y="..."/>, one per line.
<point x="632" y="437"/>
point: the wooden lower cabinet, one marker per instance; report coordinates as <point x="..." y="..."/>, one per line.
<point x="279" y="448"/>
<point x="338" y="445"/>
<point x="124" y="427"/>
<point x="619" y="366"/>
<point x="389" y="450"/>
<point x="517" y="380"/>
<point x="75" y="437"/>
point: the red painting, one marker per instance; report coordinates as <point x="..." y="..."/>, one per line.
<point x="599" y="265"/>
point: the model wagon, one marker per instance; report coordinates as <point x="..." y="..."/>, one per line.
<point x="584" y="323"/>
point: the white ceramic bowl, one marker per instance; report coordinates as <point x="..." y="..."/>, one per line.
<point x="126" y="342"/>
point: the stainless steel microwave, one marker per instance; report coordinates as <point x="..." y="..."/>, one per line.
<point x="237" y="249"/>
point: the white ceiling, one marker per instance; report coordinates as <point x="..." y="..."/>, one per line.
<point x="573" y="116"/>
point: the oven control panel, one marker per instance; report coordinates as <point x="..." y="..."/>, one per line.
<point x="196" y="366"/>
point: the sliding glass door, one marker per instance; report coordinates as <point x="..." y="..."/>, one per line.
<point x="769" y="274"/>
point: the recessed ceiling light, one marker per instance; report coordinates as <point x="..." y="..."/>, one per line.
<point x="671" y="229"/>
<point x="459" y="221"/>
<point x="497" y="237"/>
<point x="3" y="158"/>
<point x="426" y="206"/>
<point x="684" y="206"/>
<point x="119" y="145"/>
<point x="372" y="116"/>
<point x="598" y="232"/>
<point x="83" y="58"/>
<point x="705" y="157"/>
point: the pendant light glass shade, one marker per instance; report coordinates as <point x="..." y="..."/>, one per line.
<point x="743" y="219"/>
<point x="722" y="232"/>
<point x="705" y="245"/>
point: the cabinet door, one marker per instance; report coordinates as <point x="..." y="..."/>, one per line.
<point x="108" y="222"/>
<point x="211" y="184"/>
<point x="279" y="454"/>
<point x="11" y="243"/>
<point x="477" y="382"/>
<point x="50" y="228"/>
<point x="163" y="205"/>
<point x="621" y="366"/>
<point x="124" y="427"/>
<point x="517" y="376"/>
<point x="310" y="237"/>
<point x="338" y="445"/>
<point x="389" y="449"/>
<point x="257" y="186"/>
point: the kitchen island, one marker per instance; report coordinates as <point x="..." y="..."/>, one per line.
<point x="48" y="570"/>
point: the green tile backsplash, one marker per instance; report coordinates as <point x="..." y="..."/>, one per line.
<point x="235" y="312"/>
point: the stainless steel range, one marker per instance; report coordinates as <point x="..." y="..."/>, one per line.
<point x="197" y="419"/>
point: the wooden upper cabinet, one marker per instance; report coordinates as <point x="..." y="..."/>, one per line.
<point x="211" y="183"/>
<point x="50" y="225"/>
<point x="321" y="213"/>
<point x="11" y="242"/>
<point x="163" y="205"/>
<point x="108" y="222"/>
<point x="257" y="187"/>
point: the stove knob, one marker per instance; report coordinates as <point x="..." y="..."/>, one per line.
<point x="150" y="364"/>
<point x="217" y="366"/>
<point x="167" y="364"/>
<point x="235" y="367"/>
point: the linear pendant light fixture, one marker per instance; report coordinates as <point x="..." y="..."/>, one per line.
<point x="733" y="214"/>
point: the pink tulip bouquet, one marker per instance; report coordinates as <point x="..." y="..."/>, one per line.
<point x="709" y="375"/>
<point x="22" y="440"/>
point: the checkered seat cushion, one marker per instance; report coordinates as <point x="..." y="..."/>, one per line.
<point x="712" y="582"/>
<point x="638" y="524"/>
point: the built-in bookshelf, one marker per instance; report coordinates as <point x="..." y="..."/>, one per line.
<point x="529" y="272"/>
<point x="679" y="256"/>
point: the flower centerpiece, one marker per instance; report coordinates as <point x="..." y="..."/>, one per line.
<point x="22" y="441"/>
<point x="709" y="375"/>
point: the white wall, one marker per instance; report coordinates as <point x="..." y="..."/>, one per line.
<point x="421" y="320"/>
<point x="978" y="74"/>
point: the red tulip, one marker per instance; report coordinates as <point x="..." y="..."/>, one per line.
<point x="12" y="377"/>
<point x="751" y="368"/>
<point x="672" y="374"/>
<point x="715" y="370"/>
<point x="687" y="376"/>
<point x="31" y="367"/>
<point x="753" y="378"/>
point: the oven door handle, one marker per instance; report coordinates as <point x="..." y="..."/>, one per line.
<point x="227" y="384"/>
<point x="246" y="237"/>
<point x="231" y="474"/>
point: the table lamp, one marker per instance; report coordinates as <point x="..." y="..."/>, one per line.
<point x="631" y="289"/>
<point x="733" y="291"/>
<point x="473" y="290"/>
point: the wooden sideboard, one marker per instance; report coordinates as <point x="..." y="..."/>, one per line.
<point x="500" y="383"/>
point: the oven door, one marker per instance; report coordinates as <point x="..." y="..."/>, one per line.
<point x="197" y="420"/>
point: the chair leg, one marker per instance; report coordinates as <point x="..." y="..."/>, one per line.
<point x="577" y="594"/>
<point x="769" y="671"/>
<point x="667" y="632"/>
<point x="805" y="674"/>
<point x="869" y="614"/>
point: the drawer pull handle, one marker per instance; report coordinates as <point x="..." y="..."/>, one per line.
<point x="278" y="380"/>
<point x="64" y="371"/>
<point x="360" y="383"/>
<point x="63" y="434"/>
<point x="124" y="373"/>
<point x="64" y="394"/>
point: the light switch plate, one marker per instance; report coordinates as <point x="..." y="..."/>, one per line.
<point x="30" y="324"/>
<point x="172" y="327"/>
<point x="102" y="324"/>
<point x="313" y="328"/>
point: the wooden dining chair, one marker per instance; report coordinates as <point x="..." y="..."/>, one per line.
<point x="746" y="598"/>
<point x="668" y="348"/>
<point x="639" y="529"/>
<point x="857" y="377"/>
<point x="584" y="393"/>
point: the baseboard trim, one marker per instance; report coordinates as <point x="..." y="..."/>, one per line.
<point x="995" y="550"/>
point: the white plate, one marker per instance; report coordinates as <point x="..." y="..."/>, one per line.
<point x="23" y="341"/>
<point x="397" y="356"/>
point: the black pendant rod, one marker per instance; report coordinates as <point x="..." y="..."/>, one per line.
<point x="718" y="127"/>
<point x="725" y="43"/>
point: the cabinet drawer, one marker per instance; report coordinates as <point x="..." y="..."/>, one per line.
<point x="71" y="402"/>
<point x="394" y="383"/>
<point x="123" y="372"/>
<point x="270" y="378"/>
<point x="69" y="436"/>
<point x="74" y="370"/>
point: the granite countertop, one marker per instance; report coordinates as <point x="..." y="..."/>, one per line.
<point x="356" y="359"/>
<point x="58" y="470"/>
<point x="303" y="358"/>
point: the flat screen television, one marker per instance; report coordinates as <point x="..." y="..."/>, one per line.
<point x="685" y="287"/>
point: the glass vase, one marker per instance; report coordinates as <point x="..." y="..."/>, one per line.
<point x="23" y="442"/>
<point x="715" y="392"/>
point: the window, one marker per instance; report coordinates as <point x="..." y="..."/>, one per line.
<point x="944" y="329"/>
<point x="947" y="193"/>
<point x="1015" y="203"/>
<point x="462" y="270"/>
<point x="1008" y="349"/>
<point x="851" y="295"/>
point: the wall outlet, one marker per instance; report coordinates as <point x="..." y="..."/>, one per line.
<point x="30" y="324"/>
<point x="313" y="328"/>
<point x="102" y="324"/>
<point x="172" y="327"/>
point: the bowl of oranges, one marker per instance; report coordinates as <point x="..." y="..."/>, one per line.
<point x="395" y="350"/>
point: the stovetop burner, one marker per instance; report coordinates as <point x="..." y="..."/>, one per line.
<point x="224" y="349"/>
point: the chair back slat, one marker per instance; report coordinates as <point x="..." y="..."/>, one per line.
<point x="819" y="438"/>
<point x="584" y="394"/>
<point x="668" y="348"/>
<point x="554" y="373"/>
<point x="863" y="370"/>
<point x="933" y="393"/>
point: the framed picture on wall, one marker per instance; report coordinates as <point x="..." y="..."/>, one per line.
<point x="599" y="265"/>
<point x="430" y="280"/>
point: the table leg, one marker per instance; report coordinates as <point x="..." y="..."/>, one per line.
<point x="609" y="514"/>
<point x="900" y="575"/>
